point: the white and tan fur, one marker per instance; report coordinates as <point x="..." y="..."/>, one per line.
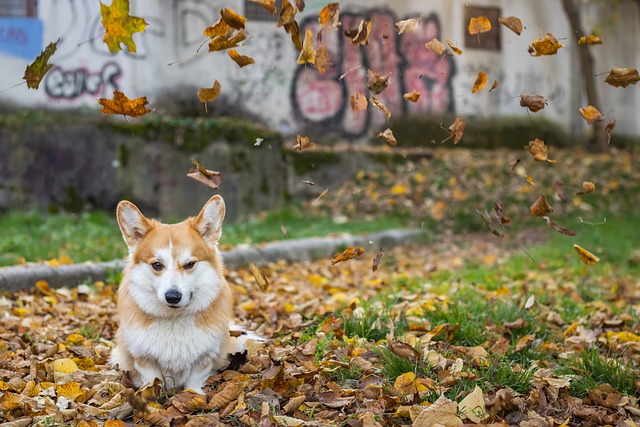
<point x="180" y="342"/>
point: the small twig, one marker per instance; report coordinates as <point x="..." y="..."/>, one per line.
<point x="592" y="223"/>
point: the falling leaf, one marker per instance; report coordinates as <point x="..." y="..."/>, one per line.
<point x="559" y="228"/>
<point x="261" y="278"/>
<point x="560" y="192"/>
<point x="232" y="19"/>
<point x="322" y="59"/>
<point x="534" y="103"/>
<point x="375" y="101"/>
<point x="241" y="60"/>
<point x="283" y="230"/>
<point x="456" y="130"/>
<point x="481" y="80"/>
<point x="358" y="102"/>
<point x="513" y="164"/>
<point x="288" y="21"/>
<point x="349" y="253"/>
<point x="120" y="104"/>
<point x="494" y="85"/>
<point x="479" y="25"/>
<point x="227" y="33"/>
<point x="205" y="176"/>
<point x="590" y="39"/>
<point x="453" y="46"/>
<point x="376" y="83"/>
<point x="376" y="260"/>
<point x="412" y="96"/>
<point x="622" y="77"/>
<point x="119" y="26"/>
<point x="436" y="46"/>
<point x="547" y="45"/>
<point x="541" y="206"/>
<point x="586" y="256"/>
<point x="472" y="406"/>
<point x="209" y="94"/>
<point x="587" y="187"/>
<point x="329" y="18"/>
<point x="492" y="221"/>
<point x="308" y="182"/>
<point x="591" y="114"/>
<point x="307" y="54"/>
<point x="387" y="135"/>
<point x="408" y="25"/>
<point x="361" y="34"/>
<point x="258" y="142"/>
<point x="512" y="23"/>
<point x="539" y="151"/>
<point x="269" y="5"/>
<point x="497" y="208"/>
<point x="302" y="142"/>
<point x="442" y="412"/>
<point x="34" y="73"/>
<point x="609" y="128"/>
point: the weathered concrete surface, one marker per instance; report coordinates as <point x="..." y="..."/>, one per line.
<point x="20" y="278"/>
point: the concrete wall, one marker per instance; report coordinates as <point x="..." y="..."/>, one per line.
<point x="293" y="98"/>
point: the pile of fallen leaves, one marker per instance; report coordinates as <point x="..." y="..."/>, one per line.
<point x="334" y="334"/>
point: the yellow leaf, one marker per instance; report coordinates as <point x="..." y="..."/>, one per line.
<point x="120" y="104"/>
<point x="547" y="45"/>
<point x="586" y="256"/>
<point x="241" y="60"/>
<point x="472" y="406"/>
<point x="307" y="54"/>
<point x="513" y="23"/>
<point x="119" y="26"/>
<point x="65" y="260"/>
<point x="587" y="187"/>
<point x="622" y="77"/>
<point x="481" y="80"/>
<point x="436" y="46"/>
<point x="70" y="390"/>
<point x="479" y="25"/>
<point x="453" y="46"/>
<point x="399" y="189"/>
<point x="406" y="384"/>
<point x="75" y="339"/>
<point x="590" y="114"/>
<point x="624" y="336"/>
<point x="412" y="96"/>
<point x="590" y="39"/>
<point x="64" y="366"/>
<point x="288" y="307"/>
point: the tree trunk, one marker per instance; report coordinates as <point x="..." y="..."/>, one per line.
<point x="598" y="140"/>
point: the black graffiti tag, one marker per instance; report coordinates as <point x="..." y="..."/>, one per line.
<point x="71" y="84"/>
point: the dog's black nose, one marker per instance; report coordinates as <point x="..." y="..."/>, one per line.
<point x="173" y="297"/>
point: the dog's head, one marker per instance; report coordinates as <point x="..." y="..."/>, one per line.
<point x="173" y="268"/>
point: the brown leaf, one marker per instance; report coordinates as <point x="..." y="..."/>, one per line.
<point x="492" y="221"/>
<point x="587" y="187"/>
<point x="381" y="106"/>
<point x="591" y="114"/>
<point x="322" y="60"/>
<point x="329" y="17"/>
<point x="308" y="53"/>
<point x="376" y="260"/>
<point x="361" y="34"/>
<point x="403" y="350"/>
<point x="228" y="392"/>
<point x="590" y="39"/>
<point x="479" y="25"/>
<point x="442" y="412"/>
<point x="228" y="32"/>
<point x="334" y="400"/>
<point x="302" y="142"/>
<point x="541" y="206"/>
<point x="407" y="25"/>
<point x="300" y="5"/>
<point x="622" y="77"/>
<point x="120" y="104"/>
<point x="539" y="151"/>
<point x="547" y="45"/>
<point x="453" y="46"/>
<point x="358" y="102"/>
<point x="349" y="253"/>
<point x="288" y="21"/>
<point x="189" y="401"/>
<point x="560" y="192"/>
<point x="205" y="176"/>
<point x="480" y="82"/>
<point x="525" y="342"/>
<point x="436" y="46"/>
<point x="512" y="23"/>
<point x="209" y="94"/>
<point x="34" y="73"/>
<point x="412" y="96"/>
<point x="609" y="128"/>
<point x="232" y="19"/>
<point x="494" y="85"/>
<point x="241" y="60"/>
<point x="387" y="135"/>
<point x="376" y="83"/>
<point x="559" y="228"/>
<point x="497" y="208"/>
<point x="269" y="5"/>
<point x="456" y="130"/>
<point x="586" y="256"/>
<point x="261" y="278"/>
<point x="534" y="103"/>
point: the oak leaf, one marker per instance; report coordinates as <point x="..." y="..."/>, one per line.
<point x="559" y="228"/>
<point x="269" y="5"/>
<point x="541" y="206"/>
<point x="241" y="60"/>
<point x="358" y="102"/>
<point x="120" y="104"/>
<point x="534" y="103"/>
<point x="622" y="77"/>
<point x="408" y="25"/>
<point x="34" y="73"/>
<point x="547" y="45"/>
<point x="205" y="176"/>
<point x="453" y="46"/>
<point x="387" y="135"/>
<point x="479" y="25"/>
<point x="513" y="23"/>
<point x="308" y="53"/>
<point x="361" y="34"/>
<point x="480" y="82"/>
<point x="456" y="130"/>
<point x="591" y="114"/>
<point x="587" y="187"/>
<point x="119" y="26"/>
<point x="375" y="101"/>
<point x="322" y="59"/>
<point x="590" y="39"/>
<point x="609" y="128"/>
<point x="586" y="256"/>
<point x="412" y="96"/>
<point x="349" y="253"/>
<point x="376" y="260"/>
<point x="539" y="151"/>
<point x="376" y="83"/>
<point x="436" y="46"/>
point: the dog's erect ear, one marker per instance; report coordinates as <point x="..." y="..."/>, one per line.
<point x="132" y="223"/>
<point x="209" y="220"/>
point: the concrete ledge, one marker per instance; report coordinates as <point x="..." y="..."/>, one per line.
<point x="22" y="278"/>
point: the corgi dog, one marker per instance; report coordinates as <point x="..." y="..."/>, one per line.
<point x="174" y="304"/>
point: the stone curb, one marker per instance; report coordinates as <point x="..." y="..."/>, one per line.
<point x="22" y="278"/>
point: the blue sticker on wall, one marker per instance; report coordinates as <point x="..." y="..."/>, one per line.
<point x="21" y="37"/>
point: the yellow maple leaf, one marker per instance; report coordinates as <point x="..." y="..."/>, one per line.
<point x="119" y="26"/>
<point x="120" y="104"/>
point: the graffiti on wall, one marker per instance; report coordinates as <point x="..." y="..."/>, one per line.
<point x="321" y="101"/>
<point x="72" y="84"/>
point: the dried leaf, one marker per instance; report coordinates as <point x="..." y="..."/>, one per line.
<point x="590" y="39"/>
<point x="436" y="46"/>
<point x="188" y="401"/>
<point x="513" y="164"/>
<point x="322" y="59"/>
<point x="453" y="46"/>
<point x="233" y="19"/>
<point x="456" y="130"/>
<point x="64" y="366"/>
<point x="358" y="102"/>
<point x="547" y="45"/>
<point x="261" y="278"/>
<point x="472" y="406"/>
<point x="622" y="77"/>
<point x="229" y="391"/>
<point x="494" y="85"/>
<point x="480" y="82"/>
<point x="376" y="83"/>
<point x="512" y="23"/>
<point x="586" y="256"/>
<point x="209" y="94"/>
<point x="361" y="34"/>
<point x="381" y="106"/>
<point x="403" y="350"/>
<point x="559" y="228"/>
<point x="35" y="72"/>
<point x="525" y="342"/>
<point x="302" y="142"/>
<point x="227" y="33"/>
<point x="408" y="25"/>
<point x="349" y="253"/>
<point x="120" y="104"/>
<point x="119" y="26"/>
<point x="241" y="60"/>
<point x="376" y="260"/>
<point x="329" y="17"/>
<point x="539" y="151"/>
<point x="492" y="221"/>
<point x="412" y="96"/>
<point x="387" y="135"/>
<point x="497" y="208"/>
<point x="534" y="103"/>
<point x="479" y="25"/>
<point x="442" y="412"/>
<point x="541" y="206"/>
<point x="591" y="114"/>
<point x="587" y="187"/>
<point x="560" y="192"/>
<point x="609" y="128"/>
<point x="333" y="400"/>
<point x="269" y="5"/>
<point x="308" y="53"/>
<point x="205" y="176"/>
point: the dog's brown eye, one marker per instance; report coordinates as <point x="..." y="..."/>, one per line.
<point x="157" y="266"/>
<point x="189" y="265"/>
